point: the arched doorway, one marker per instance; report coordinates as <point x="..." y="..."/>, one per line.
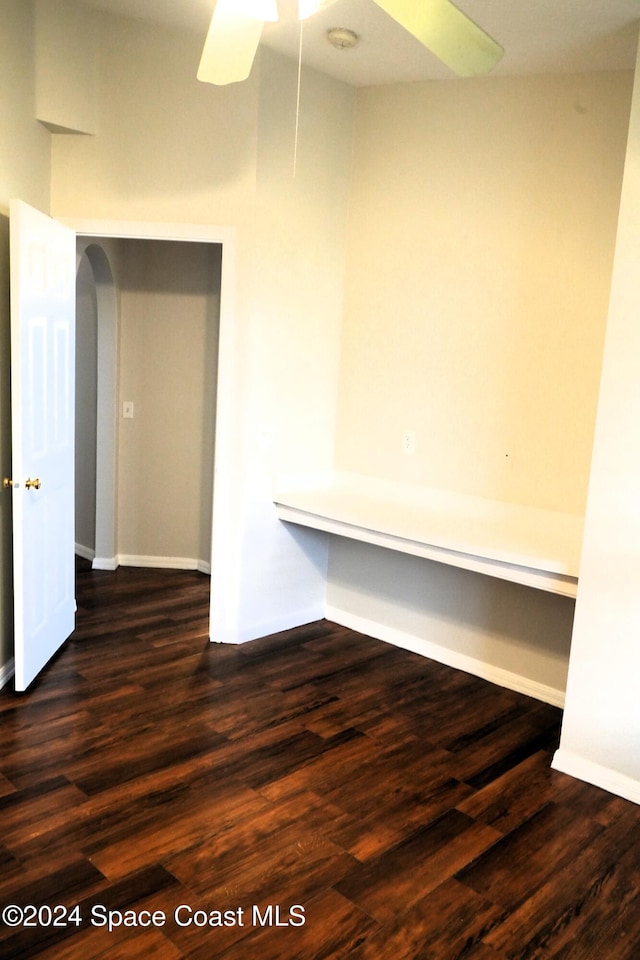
<point x="94" y="258"/>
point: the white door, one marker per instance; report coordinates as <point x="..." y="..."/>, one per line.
<point x="43" y="256"/>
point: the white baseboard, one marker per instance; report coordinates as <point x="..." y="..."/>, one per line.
<point x="6" y="672"/>
<point x="130" y="560"/>
<point x="164" y="563"/>
<point x="221" y="633"/>
<point x="85" y="552"/>
<point x="105" y="563"/>
<point x="451" y="658"/>
<point x="594" y="773"/>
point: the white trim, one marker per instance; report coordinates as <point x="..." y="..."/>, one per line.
<point x="138" y="560"/>
<point x="594" y="773"/>
<point x="85" y="552"/>
<point x="265" y="628"/>
<point x="6" y="672"/>
<point x="168" y="563"/>
<point x="105" y="563"/>
<point x="150" y="230"/>
<point x="451" y="658"/>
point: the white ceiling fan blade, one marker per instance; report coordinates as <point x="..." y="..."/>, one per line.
<point x="233" y="38"/>
<point x="448" y="33"/>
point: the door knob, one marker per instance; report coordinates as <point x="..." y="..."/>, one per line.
<point x="33" y="483"/>
<point x="7" y="483"/>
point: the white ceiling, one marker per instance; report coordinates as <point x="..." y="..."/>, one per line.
<point x="539" y="36"/>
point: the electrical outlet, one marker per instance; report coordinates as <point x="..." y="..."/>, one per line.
<point x="409" y="443"/>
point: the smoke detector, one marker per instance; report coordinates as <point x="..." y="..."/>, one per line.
<point x="341" y="38"/>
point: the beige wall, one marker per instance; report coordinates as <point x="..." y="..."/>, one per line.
<point x="25" y="158"/>
<point x="167" y="146"/>
<point x="481" y="240"/>
<point x="482" y="228"/>
<point x="169" y="323"/>
<point x="66" y="43"/>
<point x="511" y="634"/>
<point x="24" y="173"/>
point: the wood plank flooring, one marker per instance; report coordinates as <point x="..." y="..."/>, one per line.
<point x="401" y="809"/>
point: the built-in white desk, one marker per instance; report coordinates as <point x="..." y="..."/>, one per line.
<point x="539" y="548"/>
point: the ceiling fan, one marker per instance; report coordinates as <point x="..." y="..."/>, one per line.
<point x="236" y="26"/>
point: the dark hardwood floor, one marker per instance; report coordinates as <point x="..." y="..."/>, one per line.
<point x="214" y="797"/>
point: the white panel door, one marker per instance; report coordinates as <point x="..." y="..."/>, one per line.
<point x="43" y="410"/>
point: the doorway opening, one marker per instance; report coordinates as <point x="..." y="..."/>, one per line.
<point x="156" y="343"/>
